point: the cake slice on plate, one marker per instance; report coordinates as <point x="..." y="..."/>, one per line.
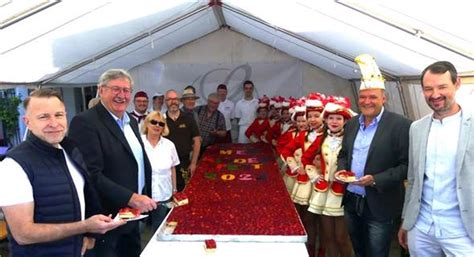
<point x="128" y="213"/>
<point x="346" y="176"/>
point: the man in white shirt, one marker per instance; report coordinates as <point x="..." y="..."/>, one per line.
<point x="438" y="209"/>
<point x="245" y="111"/>
<point x="226" y="107"/>
<point x="44" y="186"/>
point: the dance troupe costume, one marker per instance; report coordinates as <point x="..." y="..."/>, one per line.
<point x="285" y="125"/>
<point x="327" y="196"/>
<point x="284" y="140"/>
<point x="258" y="130"/>
<point x="274" y="131"/>
<point x="309" y="142"/>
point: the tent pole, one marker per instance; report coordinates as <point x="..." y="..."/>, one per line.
<point x="402" y="98"/>
<point x="216" y="6"/>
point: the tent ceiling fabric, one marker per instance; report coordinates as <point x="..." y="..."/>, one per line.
<point x="73" y="42"/>
<point x="70" y="32"/>
<point x="348" y="33"/>
<point x="448" y="32"/>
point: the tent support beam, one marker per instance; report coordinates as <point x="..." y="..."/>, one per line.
<point x="412" y="31"/>
<point x="216" y="6"/>
<point x="402" y="98"/>
<point x="124" y="44"/>
<point x="386" y="74"/>
<point x="27" y="13"/>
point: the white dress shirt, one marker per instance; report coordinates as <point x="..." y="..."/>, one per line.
<point x="134" y="144"/>
<point x="162" y="157"/>
<point x="439" y="209"/>
<point x="227" y="109"/>
<point x="245" y="111"/>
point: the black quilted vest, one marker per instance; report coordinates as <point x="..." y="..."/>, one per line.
<point x="55" y="197"/>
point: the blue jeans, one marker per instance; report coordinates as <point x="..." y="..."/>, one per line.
<point x="369" y="236"/>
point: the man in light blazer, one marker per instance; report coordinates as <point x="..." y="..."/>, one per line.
<point x="438" y="209"/>
<point x="375" y="148"/>
<point x="109" y="139"/>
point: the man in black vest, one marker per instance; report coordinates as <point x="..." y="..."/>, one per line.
<point x="113" y="150"/>
<point x="45" y="193"/>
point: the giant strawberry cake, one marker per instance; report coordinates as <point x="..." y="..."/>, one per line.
<point x="237" y="194"/>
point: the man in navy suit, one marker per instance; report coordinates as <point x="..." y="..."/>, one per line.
<point x="375" y="148"/>
<point x="113" y="151"/>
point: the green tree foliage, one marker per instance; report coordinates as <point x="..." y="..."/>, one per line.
<point x="9" y="114"/>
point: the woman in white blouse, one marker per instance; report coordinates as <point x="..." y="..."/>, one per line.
<point x="163" y="159"/>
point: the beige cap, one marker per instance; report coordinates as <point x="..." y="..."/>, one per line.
<point x="189" y="93"/>
<point x="371" y="75"/>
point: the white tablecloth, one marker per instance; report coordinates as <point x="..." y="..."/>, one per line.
<point x="158" y="248"/>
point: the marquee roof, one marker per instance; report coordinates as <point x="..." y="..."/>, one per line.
<point x="72" y="42"/>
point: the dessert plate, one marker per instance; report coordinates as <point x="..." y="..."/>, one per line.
<point x="129" y="214"/>
<point x="117" y="218"/>
<point x="346" y="176"/>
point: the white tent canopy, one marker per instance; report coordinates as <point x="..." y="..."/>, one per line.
<point x="73" y="42"/>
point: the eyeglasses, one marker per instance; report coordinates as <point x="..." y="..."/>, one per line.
<point x="117" y="90"/>
<point x="159" y="123"/>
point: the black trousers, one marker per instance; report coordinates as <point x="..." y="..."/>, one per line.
<point x="183" y="166"/>
<point x="123" y="241"/>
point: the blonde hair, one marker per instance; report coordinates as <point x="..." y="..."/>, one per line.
<point x="154" y="115"/>
<point x="93" y="102"/>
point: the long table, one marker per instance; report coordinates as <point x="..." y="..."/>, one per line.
<point x="237" y="198"/>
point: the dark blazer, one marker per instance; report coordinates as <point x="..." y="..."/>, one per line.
<point x="110" y="161"/>
<point x="387" y="161"/>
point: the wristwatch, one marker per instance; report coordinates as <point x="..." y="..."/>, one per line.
<point x="373" y="184"/>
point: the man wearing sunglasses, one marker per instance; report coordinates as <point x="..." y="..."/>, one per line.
<point x="114" y="153"/>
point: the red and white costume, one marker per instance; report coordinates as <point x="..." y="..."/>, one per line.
<point x="258" y="130"/>
<point x="284" y="141"/>
<point x="309" y="142"/>
<point x="289" y="177"/>
<point x="327" y="200"/>
<point x="274" y="132"/>
<point x="285" y="125"/>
